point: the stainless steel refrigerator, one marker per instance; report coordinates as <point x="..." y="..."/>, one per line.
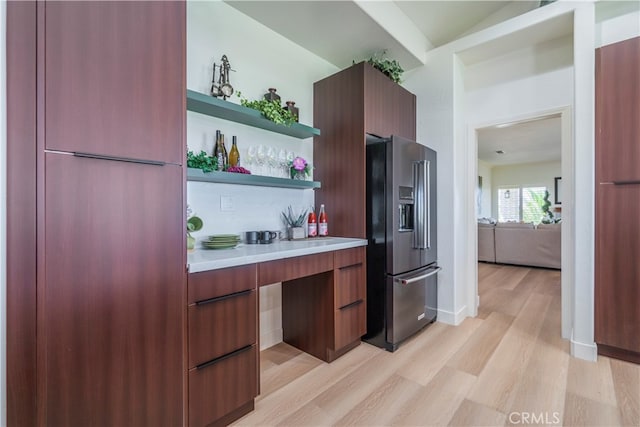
<point x="402" y="294"/>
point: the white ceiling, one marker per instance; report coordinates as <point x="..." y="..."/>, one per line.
<point x="353" y="30"/>
<point x="345" y="31"/>
<point x="525" y="142"/>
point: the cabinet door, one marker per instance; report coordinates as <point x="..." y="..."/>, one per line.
<point x="617" y="291"/>
<point x="114" y="79"/>
<point x="113" y="293"/>
<point x="617" y="111"/>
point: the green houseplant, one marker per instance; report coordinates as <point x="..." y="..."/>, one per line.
<point x="295" y="223"/>
<point x="389" y="67"/>
<point x="272" y="110"/>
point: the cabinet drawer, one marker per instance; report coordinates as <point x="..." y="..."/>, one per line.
<point x="349" y="256"/>
<point x="221" y="325"/>
<point x="215" y="283"/>
<point x="293" y="268"/>
<point x="223" y="386"/>
<point x="350" y="323"/>
<point x="349" y="284"/>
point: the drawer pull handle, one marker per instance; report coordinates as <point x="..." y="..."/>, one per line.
<point x="353" y="304"/>
<point x="226" y="356"/>
<point x="350" y="266"/>
<point x="633" y="182"/>
<point x="118" y="159"/>
<point x="224" y="297"/>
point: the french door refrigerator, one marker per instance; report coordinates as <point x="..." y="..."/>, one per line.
<point x="401" y="232"/>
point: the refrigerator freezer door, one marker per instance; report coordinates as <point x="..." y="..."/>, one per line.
<point x="414" y="303"/>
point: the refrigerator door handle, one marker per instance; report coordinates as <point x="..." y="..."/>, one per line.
<point x="427" y="216"/>
<point x="418" y="278"/>
<point x="420" y="185"/>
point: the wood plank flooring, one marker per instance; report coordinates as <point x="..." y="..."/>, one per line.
<point x="508" y="366"/>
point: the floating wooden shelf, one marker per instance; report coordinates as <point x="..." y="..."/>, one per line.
<point x="245" y="179"/>
<point x="226" y="110"/>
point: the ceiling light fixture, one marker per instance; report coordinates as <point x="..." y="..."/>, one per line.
<point x="499" y="152"/>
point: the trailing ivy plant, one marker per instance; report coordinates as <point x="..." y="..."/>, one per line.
<point x="201" y="161"/>
<point x="271" y="110"/>
<point x="389" y="67"/>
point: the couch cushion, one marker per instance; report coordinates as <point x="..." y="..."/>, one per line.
<point x="527" y="225"/>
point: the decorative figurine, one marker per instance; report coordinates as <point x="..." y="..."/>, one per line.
<point x="223" y="88"/>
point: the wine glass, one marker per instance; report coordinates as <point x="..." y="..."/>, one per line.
<point x="251" y="156"/>
<point x="290" y="157"/>
<point x="272" y="157"/>
<point x="261" y="157"/>
<point x="282" y="160"/>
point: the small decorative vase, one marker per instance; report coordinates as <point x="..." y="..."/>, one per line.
<point x="300" y="175"/>
<point x="191" y="242"/>
<point x="293" y="109"/>
<point x="272" y="95"/>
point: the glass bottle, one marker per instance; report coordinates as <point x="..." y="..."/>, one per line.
<point x="272" y="95"/>
<point x="234" y="155"/>
<point x="312" y="225"/>
<point x="323" y="226"/>
<point x="220" y="154"/>
<point x="216" y="143"/>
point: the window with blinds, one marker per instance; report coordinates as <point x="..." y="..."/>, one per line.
<point x="520" y="204"/>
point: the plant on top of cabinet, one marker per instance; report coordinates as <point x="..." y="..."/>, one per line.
<point x="271" y="109"/>
<point x="389" y="67"/>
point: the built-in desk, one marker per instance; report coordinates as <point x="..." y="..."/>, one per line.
<point x="323" y="314"/>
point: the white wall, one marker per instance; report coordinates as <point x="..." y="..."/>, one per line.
<point x="484" y="170"/>
<point x="525" y="175"/>
<point x="261" y="59"/>
<point x="617" y="22"/>
<point x="3" y="218"/>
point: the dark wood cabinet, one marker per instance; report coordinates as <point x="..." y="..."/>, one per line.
<point x="350" y="307"/>
<point x="114" y="77"/>
<point x="617" y="272"/>
<point x="105" y="238"/>
<point x="111" y="329"/>
<point x="346" y="106"/>
<point x="223" y="349"/>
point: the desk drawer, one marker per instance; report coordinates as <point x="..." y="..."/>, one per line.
<point x="221" y="325"/>
<point x="215" y="283"/>
<point x="294" y="268"/>
<point x="223" y="386"/>
<point x="349" y="284"/>
<point x="350" y="323"/>
<point x="351" y="256"/>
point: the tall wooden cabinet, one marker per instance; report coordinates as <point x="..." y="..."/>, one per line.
<point x="347" y="106"/>
<point x="108" y="301"/>
<point x="617" y="290"/>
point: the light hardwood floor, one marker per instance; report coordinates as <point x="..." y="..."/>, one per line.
<point x="508" y="366"/>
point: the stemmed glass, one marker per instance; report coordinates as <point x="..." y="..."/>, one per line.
<point x="261" y="156"/>
<point x="272" y="157"/>
<point x="282" y="160"/>
<point x="251" y="156"/>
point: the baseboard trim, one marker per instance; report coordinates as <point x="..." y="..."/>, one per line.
<point x="585" y="351"/>
<point x="270" y="338"/>
<point x="451" y="318"/>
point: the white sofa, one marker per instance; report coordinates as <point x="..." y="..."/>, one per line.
<point x="520" y="244"/>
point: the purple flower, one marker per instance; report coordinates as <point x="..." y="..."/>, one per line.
<point x="299" y="163"/>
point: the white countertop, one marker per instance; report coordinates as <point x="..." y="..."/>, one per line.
<point x="212" y="259"/>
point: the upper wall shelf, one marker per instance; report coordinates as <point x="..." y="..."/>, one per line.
<point x="215" y="107"/>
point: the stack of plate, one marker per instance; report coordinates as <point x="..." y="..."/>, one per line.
<point x="221" y="241"/>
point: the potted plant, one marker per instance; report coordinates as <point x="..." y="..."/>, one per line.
<point x="270" y="109"/>
<point x="294" y="223"/>
<point x="389" y="67"/>
<point x="299" y="168"/>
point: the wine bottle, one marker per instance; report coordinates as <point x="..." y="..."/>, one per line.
<point x="312" y="225"/>
<point x="323" y="226"/>
<point x="220" y="154"/>
<point x="225" y="163"/>
<point x="234" y="155"/>
<point x="216" y="143"/>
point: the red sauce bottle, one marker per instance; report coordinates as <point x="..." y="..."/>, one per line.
<point x="312" y="225"/>
<point x="323" y="226"/>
